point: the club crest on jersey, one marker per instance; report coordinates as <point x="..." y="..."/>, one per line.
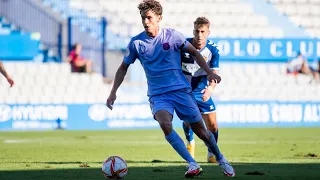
<point x="166" y="46"/>
<point x="205" y="58"/>
<point x="142" y="48"/>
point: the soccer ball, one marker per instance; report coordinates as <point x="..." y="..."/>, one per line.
<point x="114" y="168"/>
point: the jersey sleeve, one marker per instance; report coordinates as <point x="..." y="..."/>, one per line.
<point x="130" y="55"/>
<point x="214" y="63"/>
<point x="180" y="42"/>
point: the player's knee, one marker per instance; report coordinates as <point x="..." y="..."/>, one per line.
<point x="165" y="123"/>
<point x="211" y="123"/>
<point x="212" y="128"/>
<point x="166" y="127"/>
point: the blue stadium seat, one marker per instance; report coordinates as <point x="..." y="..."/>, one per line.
<point x="28" y="42"/>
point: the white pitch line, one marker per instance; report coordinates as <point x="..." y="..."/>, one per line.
<point x="16" y="141"/>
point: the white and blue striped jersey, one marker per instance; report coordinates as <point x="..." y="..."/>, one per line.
<point x="210" y="54"/>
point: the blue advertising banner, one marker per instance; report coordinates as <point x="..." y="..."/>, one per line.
<point x="266" y="49"/>
<point x="137" y="116"/>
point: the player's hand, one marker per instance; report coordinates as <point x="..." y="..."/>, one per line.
<point x="212" y="77"/>
<point x="112" y="97"/>
<point x="10" y="81"/>
<point x="206" y="94"/>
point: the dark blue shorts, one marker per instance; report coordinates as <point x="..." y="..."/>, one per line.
<point x="180" y="101"/>
<point x="198" y="84"/>
<point x="204" y="107"/>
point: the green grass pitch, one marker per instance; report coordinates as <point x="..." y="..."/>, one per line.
<point x="256" y="153"/>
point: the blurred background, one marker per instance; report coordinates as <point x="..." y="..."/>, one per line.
<point x="269" y="49"/>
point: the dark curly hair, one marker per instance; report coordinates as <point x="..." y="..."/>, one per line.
<point x="200" y="21"/>
<point x="151" y="5"/>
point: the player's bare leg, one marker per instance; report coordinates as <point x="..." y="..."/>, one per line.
<point x="164" y="119"/>
<point x="208" y="138"/>
<point x="210" y="120"/>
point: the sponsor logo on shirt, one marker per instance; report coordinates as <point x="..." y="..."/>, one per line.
<point x="166" y="46"/>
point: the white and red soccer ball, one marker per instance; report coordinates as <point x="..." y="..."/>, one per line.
<point x="114" y="167"/>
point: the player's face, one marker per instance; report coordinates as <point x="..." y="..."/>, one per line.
<point x="201" y="34"/>
<point x="150" y="22"/>
<point x="78" y="48"/>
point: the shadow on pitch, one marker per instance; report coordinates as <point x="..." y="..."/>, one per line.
<point x="128" y="161"/>
<point x="245" y="171"/>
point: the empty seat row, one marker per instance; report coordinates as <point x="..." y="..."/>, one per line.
<point x="303" y="13"/>
<point x="124" y="19"/>
<point x="255" y="83"/>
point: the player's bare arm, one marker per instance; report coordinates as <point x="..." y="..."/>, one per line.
<point x="207" y="92"/>
<point x="202" y="63"/>
<point x="2" y="70"/>
<point x="119" y="77"/>
<point x="5" y="74"/>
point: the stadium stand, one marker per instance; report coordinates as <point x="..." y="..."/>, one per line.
<point x="86" y="23"/>
<point x="54" y="83"/>
<point x="232" y="18"/>
<point x="28" y="47"/>
<point x="304" y="13"/>
<point x="48" y="83"/>
<point x="5" y="28"/>
<point x="262" y="81"/>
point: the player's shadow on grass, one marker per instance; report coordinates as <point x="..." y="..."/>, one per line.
<point x="160" y="171"/>
<point x="128" y="161"/>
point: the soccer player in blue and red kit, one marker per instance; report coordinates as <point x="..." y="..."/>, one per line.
<point x="201" y="88"/>
<point x="158" y="50"/>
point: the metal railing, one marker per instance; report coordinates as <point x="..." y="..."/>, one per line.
<point x="59" y="33"/>
<point x="92" y="39"/>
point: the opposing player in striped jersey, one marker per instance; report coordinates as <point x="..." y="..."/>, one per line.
<point x="201" y="88"/>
